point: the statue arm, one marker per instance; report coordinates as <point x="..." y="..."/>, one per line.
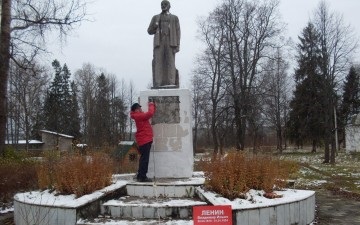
<point x="177" y="49"/>
<point x="154" y="24"/>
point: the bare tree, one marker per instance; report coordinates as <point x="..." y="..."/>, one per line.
<point x="275" y="96"/>
<point x="25" y="102"/>
<point x="4" y="66"/>
<point x="199" y="100"/>
<point x="86" y="81"/>
<point x="29" y="22"/>
<point x="338" y="44"/>
<point x="211" y="69"/>
<point x="252" y="29"/>
<point x="32" y="21"/>
<point x="131" y="100"/>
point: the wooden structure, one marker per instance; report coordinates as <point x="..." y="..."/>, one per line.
<point x="56" y="141"/>
<point x="127" y="155"/>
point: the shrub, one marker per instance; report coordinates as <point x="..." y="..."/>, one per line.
<point x="236" y="173"/>
<point x="75" y="173"/>
<point x="16" y="174"/>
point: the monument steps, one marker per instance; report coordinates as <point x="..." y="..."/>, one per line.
<point x="165" y="201"/>
<point x="103" y="221"/>
<point x="164" y="198"/>
<point x="129" y="207"/>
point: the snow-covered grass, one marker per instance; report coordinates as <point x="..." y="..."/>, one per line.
<point x="344" y="174"/>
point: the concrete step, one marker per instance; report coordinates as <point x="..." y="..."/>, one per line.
<point x="173" y="188"/>
<point x="107" y="221"/>
<point x="130" y="207"/>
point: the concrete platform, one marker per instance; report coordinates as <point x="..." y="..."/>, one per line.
<point x="130" y="202"/>
<point x="150" y="208"/>
<point x="104" y="221"/>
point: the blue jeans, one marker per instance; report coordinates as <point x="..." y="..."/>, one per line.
<point x="144" y="160"/>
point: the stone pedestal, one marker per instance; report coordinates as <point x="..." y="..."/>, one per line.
<point x="172" y="150"/>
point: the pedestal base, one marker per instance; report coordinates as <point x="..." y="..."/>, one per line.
<point x="172" y="150"/>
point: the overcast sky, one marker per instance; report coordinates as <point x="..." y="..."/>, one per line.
<point x="117" y="39"/>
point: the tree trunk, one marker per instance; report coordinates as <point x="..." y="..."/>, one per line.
<point x="313" y="146"/>
<point x="215" y="139"/>
<point x="4" y="67"/>
<point x="279" y="138"/>
<point x="333" y="151"/>
<point x="238" y="125"/>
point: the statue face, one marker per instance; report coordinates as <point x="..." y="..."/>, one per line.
<point x="165" y="6"/>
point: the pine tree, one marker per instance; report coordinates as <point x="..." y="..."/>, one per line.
<point x="350" y="104"/>
<point x="351" y="95"/>
<point x="74" y="113"/>
<point x="101" y="132"/>
<point x="58" y="108"/>
<point x="305" y="123"/>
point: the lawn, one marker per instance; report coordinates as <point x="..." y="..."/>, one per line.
<point x="343" y="177"/>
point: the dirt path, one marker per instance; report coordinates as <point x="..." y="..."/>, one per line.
<point x="336" y="210"/>
<point x="6" y="219"/>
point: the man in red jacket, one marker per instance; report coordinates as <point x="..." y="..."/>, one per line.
<point x="144" y="137"/>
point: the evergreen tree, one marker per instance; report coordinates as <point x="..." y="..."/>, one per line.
<point x="350" y="104"/>
<point x="118" y="120"/>
<point x="351" y="95"/>
<point x="101" y="129"/>
<point x="58" y="108"/>
<point x="305" y="122"/>
<point x="74" y="113"/>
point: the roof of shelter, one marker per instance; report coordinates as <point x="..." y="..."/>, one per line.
<point x="23" y="142"/>
<point x="123" y="148"/>
<point x="57" y="134"/>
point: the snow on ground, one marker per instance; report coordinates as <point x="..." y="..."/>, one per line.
<point x="6" y="210"/>
<point x="137" y="222"/>
<point x="255" y="198"/>
<point x="53" y="199"/>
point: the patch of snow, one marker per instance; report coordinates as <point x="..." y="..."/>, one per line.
<point x="7" y="210"/>
<point x="47" y="198"/>
<point x="317" y="183"/>
<point x="160" y="202"/>
<point x="58" y="134"/>
<point x="126" y="142"/>
<point x="22" y="142"/>
<point x="255" y="198"/>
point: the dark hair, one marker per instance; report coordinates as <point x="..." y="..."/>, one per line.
<point x="135" y="106"/>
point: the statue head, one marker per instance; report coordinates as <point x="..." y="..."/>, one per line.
<point x="165" y="5"/>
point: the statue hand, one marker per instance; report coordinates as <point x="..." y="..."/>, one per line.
<point x="176" y="49"/>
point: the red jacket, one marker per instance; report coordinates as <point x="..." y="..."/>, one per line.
<point x="144" y="132"/>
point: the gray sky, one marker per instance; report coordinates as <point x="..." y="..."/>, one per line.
<point x="118" y="41"/>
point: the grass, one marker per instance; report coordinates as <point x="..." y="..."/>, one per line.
<point x="343" y="176"/>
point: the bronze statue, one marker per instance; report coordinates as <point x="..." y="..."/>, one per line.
<point x="166" y="30"/>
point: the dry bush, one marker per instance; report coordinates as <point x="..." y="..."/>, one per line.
<point x="16" y="174"/>
<point x="125" y="166"/>
<point x="76" y="174"/>
<point x="45" y="170"/>
<point x="236" y="173"/>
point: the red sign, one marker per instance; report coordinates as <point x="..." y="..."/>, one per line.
<point x="214" y="215"/>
